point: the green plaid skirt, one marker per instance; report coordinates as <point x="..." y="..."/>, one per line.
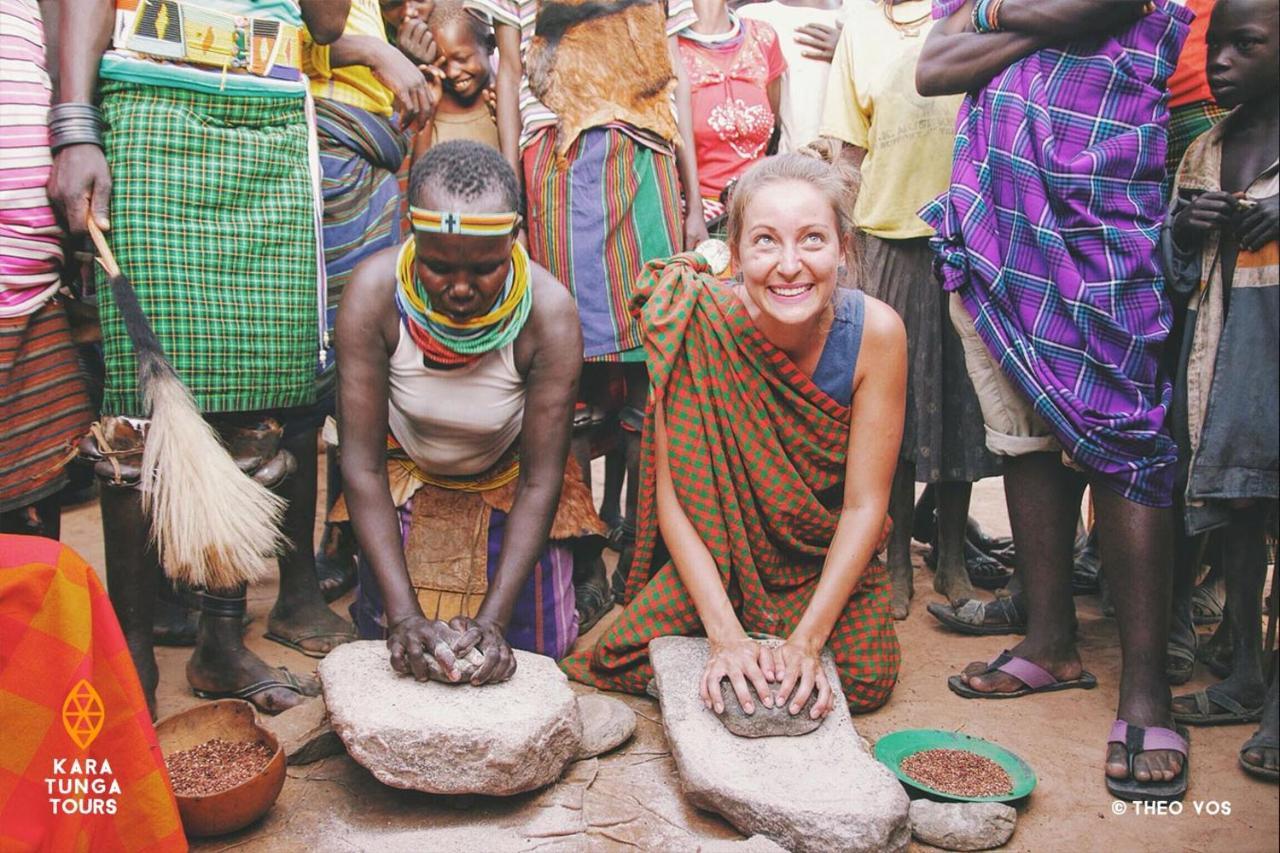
<point x="213" y="220"/>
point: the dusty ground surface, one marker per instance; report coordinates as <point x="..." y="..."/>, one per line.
<point x="630" y="798"/>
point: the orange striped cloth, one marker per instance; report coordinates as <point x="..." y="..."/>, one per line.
<point x="44" y="406"/>
<point x="69" y="696"/>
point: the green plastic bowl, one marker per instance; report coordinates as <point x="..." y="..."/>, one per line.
<point x="892" y="749"/>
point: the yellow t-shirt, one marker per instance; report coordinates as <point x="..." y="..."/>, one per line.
<point x="872" y="103"/>
<point x="354" y="85"/>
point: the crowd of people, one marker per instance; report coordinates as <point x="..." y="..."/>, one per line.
<point x="777" y="263"/>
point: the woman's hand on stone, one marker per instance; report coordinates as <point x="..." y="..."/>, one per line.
<point x="421" y="647"/>
<point x="744" y="662"/>
<point x="800" y="673"/>
<point x="499" y="662"/>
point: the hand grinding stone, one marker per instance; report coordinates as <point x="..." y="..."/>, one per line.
<point x="765" y="722"/>
<point x="497" y="739"/>
<point x="468" y="664"/>
<point x="822" y="793"/>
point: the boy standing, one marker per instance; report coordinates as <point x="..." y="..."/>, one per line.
<point x="1222" y="250"/>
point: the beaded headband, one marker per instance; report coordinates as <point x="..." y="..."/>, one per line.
<point x="466" y="224"/>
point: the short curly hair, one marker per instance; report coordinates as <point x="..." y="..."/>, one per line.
<point x="449" y="11"/>
<point x="464" y="171"/>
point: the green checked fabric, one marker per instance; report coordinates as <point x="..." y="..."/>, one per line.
<point x="213" y="220"/>
<point x="753" y="444"/>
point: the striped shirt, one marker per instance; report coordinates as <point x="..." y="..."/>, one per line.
<point x="535" y="115"/>
<point x="30" y="240"/>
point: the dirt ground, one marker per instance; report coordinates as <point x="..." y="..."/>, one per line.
<point x="630" y="798"/>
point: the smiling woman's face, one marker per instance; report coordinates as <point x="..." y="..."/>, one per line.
<point x="790" y="251"/>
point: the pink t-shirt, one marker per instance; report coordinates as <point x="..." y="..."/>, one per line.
<point x="728" y="82"/>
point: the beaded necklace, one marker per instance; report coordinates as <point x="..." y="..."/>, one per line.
<point x="449" y="343"/>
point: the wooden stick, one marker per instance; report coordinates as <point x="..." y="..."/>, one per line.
<point x="105" y="256"/>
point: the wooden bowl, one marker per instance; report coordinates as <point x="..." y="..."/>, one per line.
<point x="235" y="808"/>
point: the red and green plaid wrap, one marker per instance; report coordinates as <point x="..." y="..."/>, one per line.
<point x="753" y="444"/>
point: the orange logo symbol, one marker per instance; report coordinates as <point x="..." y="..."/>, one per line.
<point x="82" y="714"/>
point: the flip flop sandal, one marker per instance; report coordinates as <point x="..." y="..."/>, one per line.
<point x="1206" y="609"/>
<point x="1137" y="739"/>
<point x="1216" y="657"/>
<point x="587" y="416"/>
<point x="1260" y="741"/>
<point x="340" y="567"/>
<point x="288" y="681"/>
<point x="592" y="604"/>
<point x="1234" y="713"/>
<point x="295" y="643"/>
<point x="1035" y="679"/>
<point x="981" y="618"/>
<point x="985" y="572"/>
<point x="1180" y="662"/>
<point x="993" y="545"/>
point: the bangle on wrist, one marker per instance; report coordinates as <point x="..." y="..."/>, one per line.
<point x="74" y="124"/>
<point x="993" y="15"/>
<point x="986" y="16"/>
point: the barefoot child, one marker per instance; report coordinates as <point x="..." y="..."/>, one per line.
<point x="462" y="78"/>
<point x="1222" y="243"/>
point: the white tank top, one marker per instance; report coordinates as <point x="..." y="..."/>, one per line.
<point x="454" y="422"/>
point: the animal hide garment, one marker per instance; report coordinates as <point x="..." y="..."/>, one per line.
<point x="594" y="62"/>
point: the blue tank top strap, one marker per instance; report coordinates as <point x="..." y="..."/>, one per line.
<point x="834" y="374"/>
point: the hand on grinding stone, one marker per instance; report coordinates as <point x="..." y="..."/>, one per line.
<point x="746" y="664"/>
<point x="423" y="648"/>
<point x="800" y="675"/>
<point x="483" y="638"/>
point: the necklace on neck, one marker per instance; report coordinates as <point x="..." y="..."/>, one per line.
<point x="735" y="27"/>
<point x="449" y="343"/>
<point x="910" y="28"/>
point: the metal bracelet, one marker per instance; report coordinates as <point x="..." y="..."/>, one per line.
<point x="74" y="124"/>
<point x="65" y="139"/>
<point x="73" y="108"/>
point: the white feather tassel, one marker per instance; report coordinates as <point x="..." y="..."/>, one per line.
<point x="212" y="525"/>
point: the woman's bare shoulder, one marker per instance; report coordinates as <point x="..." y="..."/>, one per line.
<point x="554" y="317"/>
<point x="881" y="326"/>
<point x="369" y="297"/>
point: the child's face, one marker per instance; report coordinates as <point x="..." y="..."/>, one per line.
<point x="1244" y="50"/>
<point x="394" y="11"/>
<point x="466" y="63"/>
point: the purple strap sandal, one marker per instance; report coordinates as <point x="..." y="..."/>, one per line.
<point x="1034" y="678"/>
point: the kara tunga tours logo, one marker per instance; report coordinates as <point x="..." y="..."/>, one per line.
<point x="82" y="786"/>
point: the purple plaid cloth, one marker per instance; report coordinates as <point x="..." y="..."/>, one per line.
<point x="1050" y="234"/>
